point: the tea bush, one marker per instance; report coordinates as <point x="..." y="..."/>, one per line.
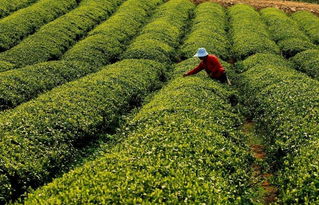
<point x="209" y="31"/>
<point x="108" y="40"/>
<point x="182" y="147"/>
<point x="40" y="138"/>
<point x="53" y="39"/>
<point x="286" y="32"/>
<point x="153" y="42"/>
<point x="4" y="66"/>
<point x="25" y="21"/>
<point x="249" y="33"/>
<point x="9" y="6"/>
<point x="309" y="23"/>
<point x="308" y="62"/>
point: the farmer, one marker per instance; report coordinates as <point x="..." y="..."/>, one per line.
<point x="212" y="66"/>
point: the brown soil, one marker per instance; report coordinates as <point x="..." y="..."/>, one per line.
<point x="287" y="6"/>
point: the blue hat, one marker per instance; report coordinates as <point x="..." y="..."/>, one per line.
<point x="201" y="52"/>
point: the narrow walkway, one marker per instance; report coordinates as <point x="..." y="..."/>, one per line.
<point x="261" y="169"/>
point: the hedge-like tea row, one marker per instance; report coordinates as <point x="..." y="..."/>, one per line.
<point x="208" y="31"/>
<point x="309" y="23"/>
<point x="249" y="33"/>
<point x="107" y="41"/>
<point x="286" y="32"/>
<point x="308" y="62"/>
<point x="9" y="6"/>
<point x="39" y="138"/>
<point x="160" y="38"/>
<point x="25" y="21"/>
<point x="20" y="85"/>
<point x="181" y="148"/>
<point x="6" y="66"/>
<point x="53" y="39"/>
<point x="285" y="103"/>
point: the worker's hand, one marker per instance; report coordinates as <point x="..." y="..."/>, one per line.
<point x="185" y="74"/>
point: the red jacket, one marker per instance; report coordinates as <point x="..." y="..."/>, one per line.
<point x="211" y="65"/>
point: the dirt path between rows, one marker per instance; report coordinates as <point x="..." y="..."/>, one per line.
<point x="261" y="174"/>
<point x="287" y="6"/>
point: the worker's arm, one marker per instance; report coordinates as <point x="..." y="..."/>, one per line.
<point x="195" y="70"/>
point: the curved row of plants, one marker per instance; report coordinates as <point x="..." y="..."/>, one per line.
<point x="309" y="23"/>
<point x="40" y="138"/>
<point x="26" y="83"/>
<point x="181" y="147"/>
<point x="26" y="21"/>
<point x="118" y="30"/>
<point x="249" y="33"/>
<point x="286" y="32"/>
<point x="209" y="31"/>
<point x="307" y="62"/>
<point x="9" y="6"/>
<point x="53" y="39"/>
<point x="285" y="105"/>
<point x="160" y="38"/>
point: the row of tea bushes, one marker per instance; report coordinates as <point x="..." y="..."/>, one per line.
<point x="209" y="31"/>
<point x="160" y="38"/>
<point x="309" y="23"/>
<point x="286" y="32"/>
<point x="285" y="105"/>
<point x="53" y="39"/>
<point x="26" y="83"/>
<point x="26" y="21"/>
<point x="182" y="147"/>
<point x="108" y="40"/>
<point x="9" y="6"/>
<point x="20" y="85"/>
<point x="307" y="62"/>
<point x="40" y="138"/>
<point x="249" y="33"/>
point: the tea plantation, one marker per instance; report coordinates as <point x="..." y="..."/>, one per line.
<point x="94" y="108"/>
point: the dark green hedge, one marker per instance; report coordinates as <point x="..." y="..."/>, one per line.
<point x="4" y="66"/>
<point x="309" y="23"/>
<point x="26" y="21"/>
<point x="40" y="138"/>
<point x="9" y="6"/>
<point x="107" y="41"/>
<point x="209" y="31"/>
<point x="182" y="147"/>
<point x="249" y="33"/>
<point x="286" y="32"/>
<point x="53" y="39"/>
<point x="308" y="62"/>
<point x="20" y="85"/>
<point x="161" y="37"/>
<point x="285" y="105"/>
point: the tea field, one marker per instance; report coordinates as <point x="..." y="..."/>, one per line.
<point x="94" y="108"/>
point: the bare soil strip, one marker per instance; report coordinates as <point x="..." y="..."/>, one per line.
<point x="287" y="6"/>
<point x="261" y="175"/>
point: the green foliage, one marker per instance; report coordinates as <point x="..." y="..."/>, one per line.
<point x="40" y="138"/>
<point x="4" y="66"/>
<point x="25" y="21"/>
<point x="23" y="84"/>
<point x="108" y="40"/>
<point x="182" y="147"/>
<point x="208" y="31"/>
<point x="286" y="32"/>
<point x="9" y="6"/>
<point x="308" y="62"/>
<point x="53" y="39"/>
<point x="285" y="104"/>
<point x="160" y="38"/>
<point x="249" y="33"/>
<point x="309" y="23"/>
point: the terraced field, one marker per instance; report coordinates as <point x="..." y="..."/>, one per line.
<point x="94" y="108"/>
